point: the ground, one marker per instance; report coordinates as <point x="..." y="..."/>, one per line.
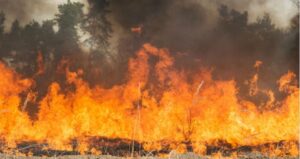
<point x="170" y="156"/>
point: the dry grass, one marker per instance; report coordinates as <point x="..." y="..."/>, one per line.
<point x="170" y="156"/>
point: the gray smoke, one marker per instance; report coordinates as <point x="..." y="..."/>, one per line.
<point x="281" y="11"/>
<point x="27" y="10"/>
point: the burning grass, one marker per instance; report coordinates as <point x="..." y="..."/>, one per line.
<point x="159" y="109"/>
<point x="120" y="147"/>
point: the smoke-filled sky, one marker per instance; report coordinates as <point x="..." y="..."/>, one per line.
<point x="26" y="10"/>
<point x="281" y="11"/>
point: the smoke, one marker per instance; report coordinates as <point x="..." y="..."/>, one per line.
<point x="207" y="33"/>
<point x="281" y="12"/>
<point x="27" y="10"/>
<point x="190" y="25"/>
<point x="131" y="12"/>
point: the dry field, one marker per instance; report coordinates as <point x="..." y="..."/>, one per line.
<point x="169" y="156"/>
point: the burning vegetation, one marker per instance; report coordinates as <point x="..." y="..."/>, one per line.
<point x="174" y="111"/>
<point x="154" y="95"/>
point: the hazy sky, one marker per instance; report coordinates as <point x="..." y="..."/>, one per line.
<point x="26" y="10"/>
<point x="281" y="11"/>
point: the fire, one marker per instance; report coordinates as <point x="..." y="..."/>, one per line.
<point x="41" y="68"/>
<point x="153" y="107"/>
<point x="137" y="29"/>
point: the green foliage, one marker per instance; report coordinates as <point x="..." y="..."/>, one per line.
<point x="68" y="19"/>
<point x="70" y="14"/>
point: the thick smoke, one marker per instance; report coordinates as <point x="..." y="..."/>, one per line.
<point x="196" y="27"/>
<point x="228" y="36"/>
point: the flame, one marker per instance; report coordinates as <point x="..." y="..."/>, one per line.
<point x="253" y="81"/>
<point x="154" y="105"/>
<point x="40" y="64"/>
<point x="137" y="29"/>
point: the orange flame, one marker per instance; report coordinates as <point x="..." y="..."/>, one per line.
<point x="170" y="108"/>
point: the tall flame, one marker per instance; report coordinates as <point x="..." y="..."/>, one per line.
<point x="155" y="104"/>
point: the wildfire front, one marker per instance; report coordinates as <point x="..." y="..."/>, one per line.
<point x="188" y="86"/>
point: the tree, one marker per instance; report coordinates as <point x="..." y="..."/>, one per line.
<point x="31" y="35"/>
<point x="2" y="20"/>
<point x="98" y="28"/>
<point x="48" y="36"/>
<point x="97" y="25"/>
<point x="232" y="21"/>
<point x="292" y="43"/>
<point x="68" y="19"/>
<point x="13" y="40"/>
<point x="265" y="22"/>
<point x="15" y="28"/>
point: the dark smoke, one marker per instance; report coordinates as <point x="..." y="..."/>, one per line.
<point x="200" y="34"/>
